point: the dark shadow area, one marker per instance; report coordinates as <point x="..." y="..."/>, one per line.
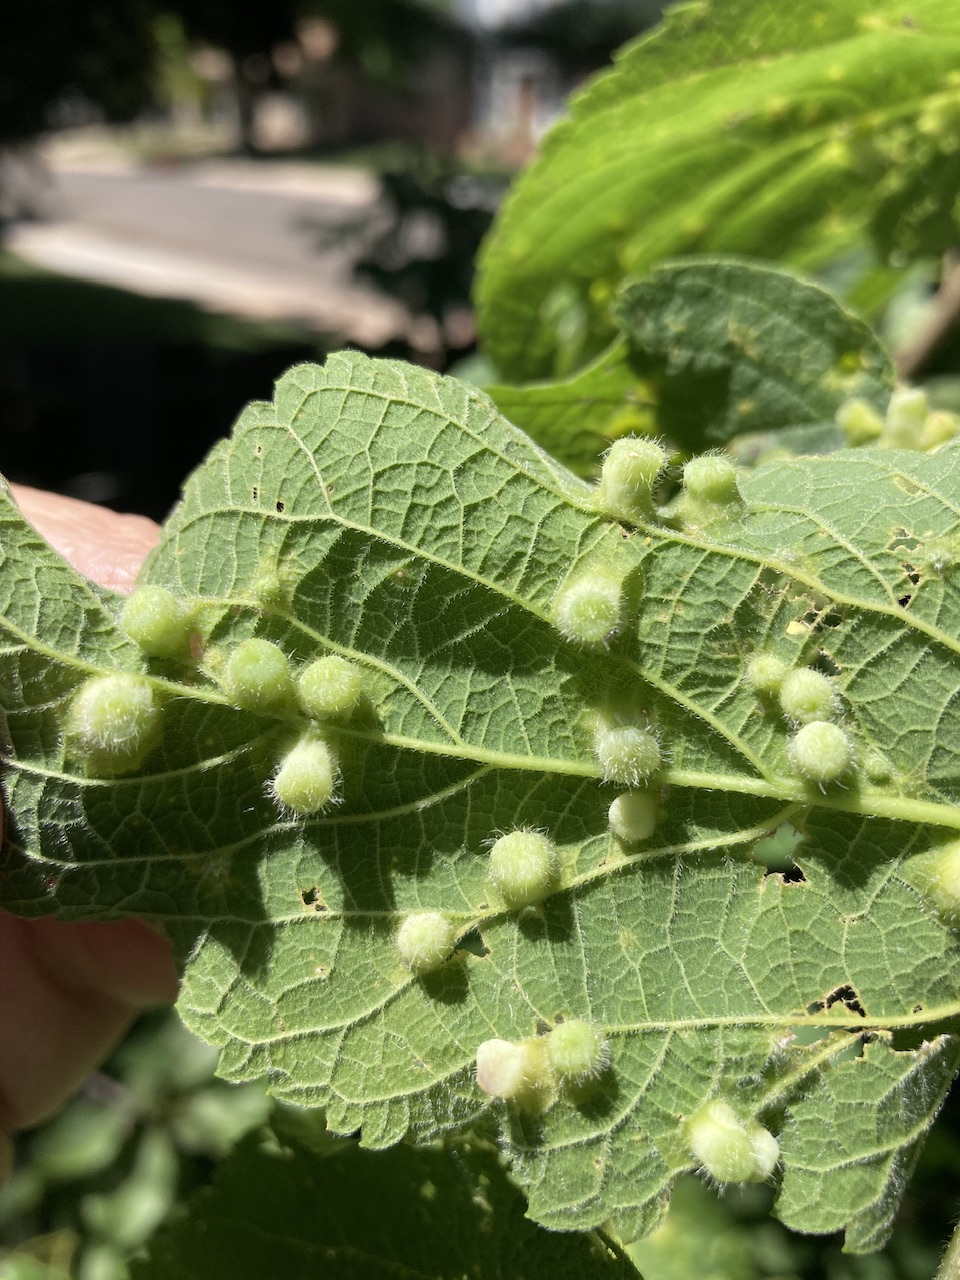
<point x="552" y="921"/>
<point x="596" y="1099"/>
<point x="112" y="397"/>
<point x="845" y="995"/>
<point x="450" y="984"/>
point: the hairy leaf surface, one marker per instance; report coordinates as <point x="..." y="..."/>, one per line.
<point x="391" y="517"/>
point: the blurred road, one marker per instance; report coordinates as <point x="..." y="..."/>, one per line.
<point x="228" y="235"/>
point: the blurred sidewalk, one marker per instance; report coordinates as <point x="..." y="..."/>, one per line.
<point x="228" y="235"/>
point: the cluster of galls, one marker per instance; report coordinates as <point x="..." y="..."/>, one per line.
<point x="530" y="1072"/>
<point x="523" y="869"/>
<point x="588" y="608"/>
<point x="820" y="751"/>
<point x="116" y="720"/>
<point x="909" y="422"/>
<point x="589" y="611"/>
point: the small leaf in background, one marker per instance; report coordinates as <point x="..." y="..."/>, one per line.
<point x="729" y="346"/>
<point x="713" y="350"/>
<point x="735" y="127"/>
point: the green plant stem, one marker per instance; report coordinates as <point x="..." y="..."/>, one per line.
<point x="949" y="1268"/>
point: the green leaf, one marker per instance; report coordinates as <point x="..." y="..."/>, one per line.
<point x="737" y="127"/>
<point x="403" y="1213"/>
<point x="128" y="1215"/>
<point x="878" y="1109"/>
<point x="577" y="418"/>
<point x="712" y="349"/>
<point x="390" y="516"/>
<point x="730" y="347"/>
<point x="700" y="1236"/>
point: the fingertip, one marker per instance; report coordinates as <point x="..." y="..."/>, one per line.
<point x="104" y="545"/>
<point x="124" y="960"/>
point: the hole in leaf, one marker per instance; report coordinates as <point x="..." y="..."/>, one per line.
<point x="597" y="1097"/>
<point x="845" y="995"/>
<point x="312" y="899"/>
<point x="256" y="494"/>
<point x="776" y="853"/>
<point x="902" y="540"/>
<point x="909" y="1040"/>
<point x="825" y="664"/>
<point x="473" y="943"/>
<point x="829" y="618"/>
<point x="280" y="506"/>
<point x="905" y="602"/>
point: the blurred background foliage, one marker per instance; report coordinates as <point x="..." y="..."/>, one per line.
<point x="113" y="396"/>
<point x="109" y="393"/>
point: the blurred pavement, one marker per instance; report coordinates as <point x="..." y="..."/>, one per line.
<point x="228" y="235"/>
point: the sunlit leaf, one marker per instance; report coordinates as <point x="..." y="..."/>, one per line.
<point x="389" y="516"/>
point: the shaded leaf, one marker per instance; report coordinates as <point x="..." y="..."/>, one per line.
<point x="712" y="349"/>
<point x="422" y="1215"/>
<point x="877" y="1109"/>
<point x="731" y="346"/>
<point x="577" y="418"/>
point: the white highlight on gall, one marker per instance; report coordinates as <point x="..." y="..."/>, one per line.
<point x="113" y="722"/>
<point x="425" y="940"/>
<point x="511" y="1069"/>
<point x="157" y="621"/>
<point x="820" y="752"/>
<point x="629" y="472"/>
<point x="627" y="753"/>
<point x="331" y="686"/>
<point x="587" y="611"/>
<point x="633" y="816"/>
<point x="523" y="867"/>
<point x="729" y="1149"/>
<point x="907" y="412"/>
<point x="711" y="478"/>
<point x="307" y="777"/>
<point x="807" y="695"/>
<point x="766" y="672"/>
<point x="710" y="492"/>
<point x="257" y="676"/>
<point x="937" y="875"/>
<point x="576" y="1050"/>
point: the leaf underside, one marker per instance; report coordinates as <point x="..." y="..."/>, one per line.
<point x="391" y="516"/>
